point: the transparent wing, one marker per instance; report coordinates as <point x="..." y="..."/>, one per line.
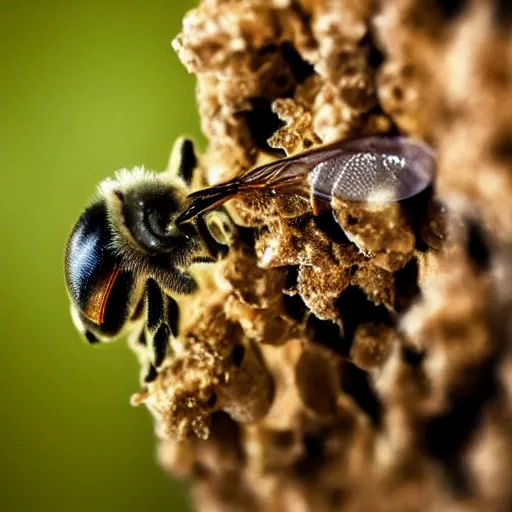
<point x="372" y="169"/>
<point x="375" y="169"/>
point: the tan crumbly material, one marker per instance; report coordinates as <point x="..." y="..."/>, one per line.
<point x="360" y="359"/>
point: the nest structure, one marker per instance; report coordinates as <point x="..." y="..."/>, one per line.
<point x="362" y="361"/>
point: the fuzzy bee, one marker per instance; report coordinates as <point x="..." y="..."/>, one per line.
<point x="369" y="170"/>
<point x="126" y="257"/>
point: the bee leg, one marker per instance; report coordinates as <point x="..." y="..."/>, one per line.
<point x="151" y="374"/>
<point x="138" y="343"/>
<point x="183" y="160"/>
<point x="90" y="337"/>
<point x="173" y="315"/>
<point x="148" y="371"/>
<point x="158" y="332"/>
<point x="216" y="230"/>
<point x="182" y="282"/>
<point x="220" y="226"/>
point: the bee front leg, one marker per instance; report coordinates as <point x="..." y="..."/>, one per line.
<point x="151" y="340"/>
<point x="157" y="329"/>
<point x="183" y="160"/>
<point x="216" y="229"/>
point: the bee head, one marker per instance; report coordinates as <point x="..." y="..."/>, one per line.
<point x="142" y="207"/>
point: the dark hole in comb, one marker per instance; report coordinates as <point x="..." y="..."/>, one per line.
<point x="355" y="382"/>
<point x="456" y="477"/>
<point x="238" y="355"/>
<point x="200" y="471"/>
<point x="262" y="123"/>
<point x="476" y="245"/>
<point x="351" y="220"/>
<point x="293" y="304"/>
<point x="336" y="497"/>
<point x="226" y="433"/>
<point x="313" y="457"/>
<point x="283" y="438"/>
<point x="247" y="236"/>
<point x="375" y="56"/>
<point x="301" y="68"/>
<point x="265" y="51"/>
<point x="447" y="435"/>
<point x="502" y="148"/>
<point x="329" y="335"/>
<point x="412" y="356"/>
<point x="294" y="307"/>
<point x="397" y="93"/>
<point x="326" y="223"/>
<point x="350" y="71"/>
<point x="212" y="400"/>
<point x="281" y="80"/>
<point x="406" y="286"/>
<point x="376" y="110"/>
<point x="355" y="308"/>
<point x="451" y="9"/>
<point x="416" y="209"/>
<point x="292" y="277"/>
<point x="502" y="12"/>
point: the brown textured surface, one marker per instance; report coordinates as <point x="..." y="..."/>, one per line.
<point x="363" y="368"/>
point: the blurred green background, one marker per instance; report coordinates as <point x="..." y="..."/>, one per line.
<point x="85" y="88"/>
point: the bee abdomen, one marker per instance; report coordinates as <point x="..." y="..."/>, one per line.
<point x="87" y="258"/>
<point x="94" y="279"/>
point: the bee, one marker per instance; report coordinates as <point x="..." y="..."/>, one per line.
<point x="371" y="170"/>
<point x="126" y="257"/>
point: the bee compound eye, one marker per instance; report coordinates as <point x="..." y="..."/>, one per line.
<point x="148" y="213"/>
<point x="158" y="221"/>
